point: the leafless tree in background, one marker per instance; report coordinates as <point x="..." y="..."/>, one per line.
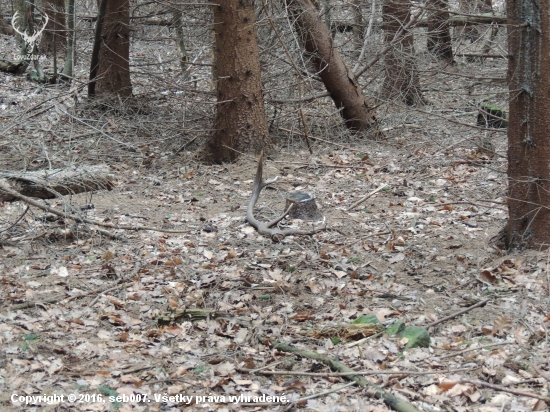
<point x="401" y="73"/>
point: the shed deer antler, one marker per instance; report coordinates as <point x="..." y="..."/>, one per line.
<point x="266" y="229"/>
<point x="29" y="40"/>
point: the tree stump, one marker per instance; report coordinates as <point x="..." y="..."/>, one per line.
<point x="304" y="208"/>
<point x="491" y="116"/>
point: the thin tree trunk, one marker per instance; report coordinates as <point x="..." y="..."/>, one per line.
<point x="68" y="68"/>
<point x="327" y="61"/>
<point x="240" y="123"/>
<point x="358" y="26"/>
<point x="180" y="41"/>
<point x="439" y="34"/>
<point x="528" y="142"/>
<point x="94" y="65"/>
<point x="113" y="72"/>
<point x="401" y="73"/>
<point x="55" y="29"/>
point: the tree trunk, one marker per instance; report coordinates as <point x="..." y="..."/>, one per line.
<point x="528" y="143"/>
<point x="401" y="73"/>
<point x="439" y="34"/>
<point x="55" y="29"/>
<point x="327" y="61"/>
<point x="113" y="71"/>
<point x="240" y="123"/>
<point x="68" y="68"/>
<point x="358" y="26"/>
<point x="180" y="41"/>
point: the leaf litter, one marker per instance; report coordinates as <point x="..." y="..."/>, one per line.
<point x="407" y="255"/>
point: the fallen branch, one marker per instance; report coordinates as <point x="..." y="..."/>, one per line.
<point x="460" y="352"/>
<point x="32" y="202"/>
<point x="59" y="298"/>
<point x="366" y="197"/>
<point x="469" y="308"/>
<point x="504" y="389"/>
<point x="391" y="400"/>
<point x="47" y="184"/>
<point x="358" y="373"/>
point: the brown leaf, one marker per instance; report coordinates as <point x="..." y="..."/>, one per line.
<point x="108" y="255"/>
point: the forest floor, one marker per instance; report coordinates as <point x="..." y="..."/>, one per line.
<point x="85" y="314"/>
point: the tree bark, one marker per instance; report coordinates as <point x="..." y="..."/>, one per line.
<point x="439" y="34"/>
<point x="338" y="79"/>
<point x="240" y="124"/>
<point x="113" y="71"/>
<point x="46" y="184"/>
<point x="55" y="29"/>
<point x="68" y="67"/>
<point x="528" y="143"/>
<point x="401" y="73"/>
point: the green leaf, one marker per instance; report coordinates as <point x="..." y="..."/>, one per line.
<point x="386" y="189"/>
<point x="30" y="336"/>
<point x="266" y="297"/>
<point x="418" y="337"/>
<point x="291" y="268"/>
<point x="199" y="369"/>
<point x="355" y="259"/>
<point x="368" y="319"/>
<point x="396" y="329"/>
<point x="335" y="341"/>
<point x="24" y="346"/>
<point x="432" y="199"/>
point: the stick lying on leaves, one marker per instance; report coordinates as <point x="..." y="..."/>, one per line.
<point x="32" y="202"/>
<point x="391" y="400"/>
<point x="266" y="229"/>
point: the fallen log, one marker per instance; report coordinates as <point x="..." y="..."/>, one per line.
<point x="47" y="184"/>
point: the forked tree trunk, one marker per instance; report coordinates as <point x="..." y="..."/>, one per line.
<point x="528" y="142"/>
<point x="113" y="71"/>
<point x="439" y="34"/>
<point x="240" y="124"/>
<point x="55" y="30"/>
<point x="401" y="79"/>
<point x="327" y="61"/>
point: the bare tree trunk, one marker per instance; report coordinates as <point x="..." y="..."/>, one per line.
<point x="68" y="68"/>
<point x="528" y="143"/>
<point x="180" y="41"/>
<point x="358" y="26"/>
<point x="439" y="34"/>
<point x="113" y="71"/>
<point x="240" y="123"/>
<point x="327" y="61"/>
<point x="55" y="29"/>
<point x="401" y="73"/>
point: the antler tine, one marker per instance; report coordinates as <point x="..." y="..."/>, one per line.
<point x="13" y="19"/>
<point x="45" y="23"/>
<point x="266" y="229"/>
